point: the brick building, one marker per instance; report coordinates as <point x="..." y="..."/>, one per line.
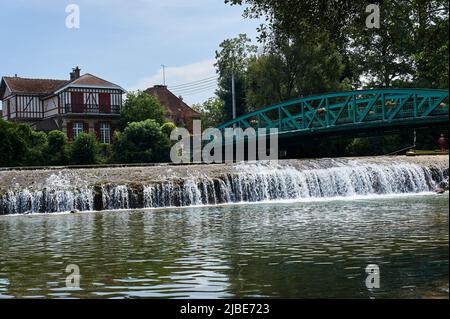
<point x="177" y="110"/>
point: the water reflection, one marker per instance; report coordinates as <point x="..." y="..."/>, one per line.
<point x="290" y="250"/>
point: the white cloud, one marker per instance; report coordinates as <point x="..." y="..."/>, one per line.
<point x="177" y="75"/>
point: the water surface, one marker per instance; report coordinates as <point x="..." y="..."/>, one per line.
<point x="281" y="250"/>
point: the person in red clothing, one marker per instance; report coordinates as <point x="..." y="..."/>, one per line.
<point x="442" y="143"/>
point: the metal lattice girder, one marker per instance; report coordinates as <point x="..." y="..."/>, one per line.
<point x="349" y="111"/>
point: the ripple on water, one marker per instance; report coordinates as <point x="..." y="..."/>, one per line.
<point x="290" y="250"/>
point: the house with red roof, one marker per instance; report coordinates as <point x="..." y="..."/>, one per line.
<point x="178" y="112"/>
<point x="85" y="103"/>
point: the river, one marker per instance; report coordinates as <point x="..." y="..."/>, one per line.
<point x="295" y="230"/>
<point x="285" y="250"/>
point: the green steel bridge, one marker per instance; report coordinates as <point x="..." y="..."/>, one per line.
<point x="350" y="112"/>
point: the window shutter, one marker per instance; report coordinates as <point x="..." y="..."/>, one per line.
<point x="105" y="102"/>
<point x="86" y="127"/>
<point x="70" y="130"/>
<point x="97" y="130"/>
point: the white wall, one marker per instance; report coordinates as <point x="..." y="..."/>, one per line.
<point x="51" y="107"/>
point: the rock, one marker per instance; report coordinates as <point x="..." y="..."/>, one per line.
<point x="439" y="190"/>
<point x="75" y="211"/>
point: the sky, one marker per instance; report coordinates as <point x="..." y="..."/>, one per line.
<point x="122" y="41"/>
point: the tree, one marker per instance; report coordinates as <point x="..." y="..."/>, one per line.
<point x="142" y="142"/>
<point x="13" y="146"/>
<point x="168" y="128"/>
<point x="294" y="68"/>
<point x="57" y="151"/>
<point x="299" y="19"/>
<point x="409" y="49"/>
<point x="21" y="146"/>
<point x="140" y="106"/>
<point x="432" y="60"/>
<point x="211" y="112"/>
<point x="233" y="58"/>
<point x="37" y="146"/>
<point x="84" y="149"/>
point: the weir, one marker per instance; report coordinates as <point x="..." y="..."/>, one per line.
<point x="51" y="191"/>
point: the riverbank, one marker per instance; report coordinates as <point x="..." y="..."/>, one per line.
<point x="60" y="190"/>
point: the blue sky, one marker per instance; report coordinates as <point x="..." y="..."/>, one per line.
<point x="123" y="41"/>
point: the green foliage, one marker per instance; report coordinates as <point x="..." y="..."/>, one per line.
<point x="83" y="150"/>
<point x="20" y="145"/>
<point x="140" y="106"/>
<point x="57" y="148"/>
<point x="211" y="112"/>
<point x="105" y="153"/>
<point x="37" y="147"/>
<point x="297" y="67"/>
<point x="433" y="60"/>
<point x="409" y="49"/>
<point x="233" y="58"/>
<point x="167" y="128"/>
<point x="142" y="142"/>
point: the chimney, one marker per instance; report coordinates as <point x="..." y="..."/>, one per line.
<point x="75" y="74"/>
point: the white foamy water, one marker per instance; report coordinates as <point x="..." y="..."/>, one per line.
<point x="259" y="182"/>
<point x="58" y="196"/>
<point x="262" y="183"/>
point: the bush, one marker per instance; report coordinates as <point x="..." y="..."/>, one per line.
<point x="84" y="150"/>
<point x="105" y="153"/>
<point x="142" y="142"/>
<point x="57" y="148"/>
<point x="21" y="146"/>
<point x="167" y="128"/>
<point x="37" y="146"/>
<point x="13" y="146"/>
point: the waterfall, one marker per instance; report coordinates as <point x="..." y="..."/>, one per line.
<point x="46" y="201"/>
<point x="257" y="182"/>
<point x="115" y="197"/>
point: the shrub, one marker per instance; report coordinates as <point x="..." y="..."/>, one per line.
<point x="57" y="148"/>
<point x="142" y="142"/>
<point x="167" y="128"/>
<point x="83" y="150"/>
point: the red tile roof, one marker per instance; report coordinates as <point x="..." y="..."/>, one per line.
<point x="46" y="87"/>
<point x="92" y="80"/>
<point x="42" y="87"/>
<point x="173" y="104"/>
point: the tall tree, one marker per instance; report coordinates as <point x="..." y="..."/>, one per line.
<point x="140" y="106"/>
<point x="233" y="58"/>
<point x="293" y="67"/>
<point x="409" y="48"/>
<point x="211" y="112"/>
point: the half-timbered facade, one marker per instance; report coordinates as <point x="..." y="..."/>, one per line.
<point x="82" y="104"/>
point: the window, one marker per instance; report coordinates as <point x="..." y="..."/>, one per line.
<point x="105" y="133"/>
<point x="78" y="128"/>
<point x="91" y="99"/>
